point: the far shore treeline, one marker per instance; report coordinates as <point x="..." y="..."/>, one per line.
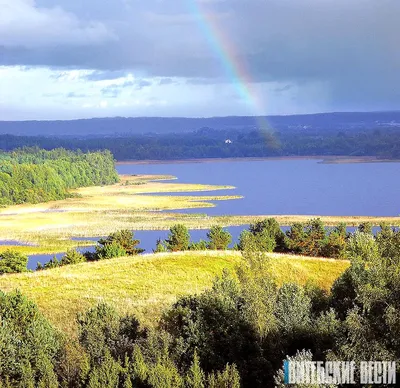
<point x="379" y="142"/>
<point x="33" y="175"/>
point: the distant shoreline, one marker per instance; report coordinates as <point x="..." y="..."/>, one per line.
<point x="322" y="158"/>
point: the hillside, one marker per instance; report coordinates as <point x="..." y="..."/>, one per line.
<point x="147" y="284"/>
<point x="112" y="126"/>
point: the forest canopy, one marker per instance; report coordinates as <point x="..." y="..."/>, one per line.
<point x="383" y="143"/>
<point x="35" y="175"/>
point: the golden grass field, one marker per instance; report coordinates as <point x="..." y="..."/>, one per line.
<point x="134" y="204"/>
<point x="145" y="285"/>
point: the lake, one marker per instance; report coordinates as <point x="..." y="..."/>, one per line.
<point x="277" y="187"/>
<point x="290" y="186"/>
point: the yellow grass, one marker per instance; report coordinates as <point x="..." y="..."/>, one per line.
<point x="97" y="211"/>
<point x="135" y="203"/>
<point x="145" y="285"/>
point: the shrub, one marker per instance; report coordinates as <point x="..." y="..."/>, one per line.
<point x="53" y="263"/>
<point x="72" y="257"/>
<point x="198" y="246"/>
<point x="110" y="251"/>
<point x="178" y="238"/>
<point x="160" y="247"/>
<point x="13" y="262"/>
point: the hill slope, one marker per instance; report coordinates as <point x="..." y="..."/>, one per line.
<point x="145" y="285"/>
<point x="112" y="126"/>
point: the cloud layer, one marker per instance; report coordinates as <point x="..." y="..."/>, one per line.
<point x="344" y="51"/>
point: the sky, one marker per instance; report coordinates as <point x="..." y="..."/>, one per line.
<point x="67" y="59"/>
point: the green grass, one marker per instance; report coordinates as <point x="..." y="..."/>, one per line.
<point x="145" y="285"/>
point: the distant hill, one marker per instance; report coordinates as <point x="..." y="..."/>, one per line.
<point x="140" y="125"/>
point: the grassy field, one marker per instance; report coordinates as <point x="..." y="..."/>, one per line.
<point x="145" y="285"/>
<point x="135" y="203"/>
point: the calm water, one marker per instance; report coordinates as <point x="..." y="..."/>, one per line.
<point x="277" y="187"/>
<point x="291" y="186"/>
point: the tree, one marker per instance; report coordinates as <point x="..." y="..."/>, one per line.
<point x="30" y="348"/>
<point x="336" y="243"/>
<point x="102" y="331"/>
<point x="262" y="241"/>
<point x="195" y="378"/>
<point x="219" y="239"/>
<point x="178" y="238"/>
<point x="293" y="308"/>
<point x="271" y="227"/>
<point x="365" y="227"/>
<point x="12" y="262"/>
<point x="125" y="239"/>
<point x="307" y="239"/>
<point x="228" y="378"/>
<point x="363" y="246"/>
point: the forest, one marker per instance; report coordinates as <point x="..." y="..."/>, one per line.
<point x="33" y="175"/>
<point x="380" y="142"/>
<point x="235" y="334"/>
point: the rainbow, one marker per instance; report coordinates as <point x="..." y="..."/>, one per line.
<point x="234" y="68"/>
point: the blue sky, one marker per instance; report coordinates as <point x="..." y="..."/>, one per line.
<point x="73" y="59"/>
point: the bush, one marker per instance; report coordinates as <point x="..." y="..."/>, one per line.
<point x="13" y="262"/>
<point x="53" y="263"/>
<point x="110" y="251"/>
<point x="219" y="239"/>
<point x="198" y="246"/>
<point x="72" y="257"/>
<point x="160" y="247"/>
<point x="178" y="238"/>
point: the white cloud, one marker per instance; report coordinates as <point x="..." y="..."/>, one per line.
<point x="24" y="24"/>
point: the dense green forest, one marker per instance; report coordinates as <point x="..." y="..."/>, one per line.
<point x="236" y="334"/>
<point x="211" y="143"/>
<point x="35" y="175"/>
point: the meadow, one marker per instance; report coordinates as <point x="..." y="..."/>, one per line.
<point x="146" y="285"/>
<point x="134" y="203"/>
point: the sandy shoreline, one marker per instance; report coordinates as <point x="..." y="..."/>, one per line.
<point x="322" y="159"/>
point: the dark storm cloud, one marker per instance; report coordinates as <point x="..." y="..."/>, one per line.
<point x="349" y="47"/>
